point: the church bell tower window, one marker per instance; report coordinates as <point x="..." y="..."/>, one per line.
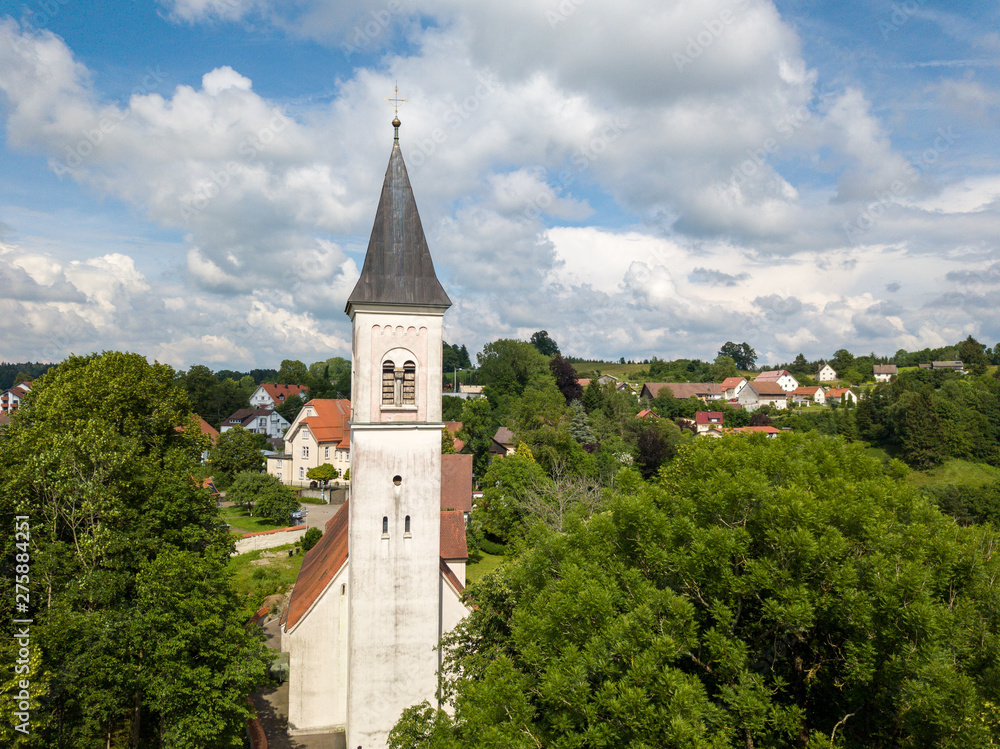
<point x="399" y="385"/>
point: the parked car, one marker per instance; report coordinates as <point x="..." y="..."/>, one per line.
<point x="299" y="516"/>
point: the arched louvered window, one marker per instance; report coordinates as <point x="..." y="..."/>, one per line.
<point x="406" y="527"/>
<point x="409" y="384"/>
<point x="388" y="384"/>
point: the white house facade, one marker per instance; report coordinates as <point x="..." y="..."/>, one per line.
<point x="785" y="379"/>
<point x="272" y="395"/>
<point x="258" y="421"/>
<point x="826" y="374"/>
<point x="321" y="433"/>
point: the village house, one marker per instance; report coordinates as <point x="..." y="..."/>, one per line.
<point x="11" y="399"/>
<point x="503" y="443"/>
<point x="271" y="395"/>
<point x="757" y="394"/>
<point x="320" y="434"/>
<point x="782" y="377"/>
<point x="806" y="396"/>
<point x="257" y="420"/>
<point x="826" y="373"/>
<point x="771" y="432"/>
<point x="646" y="414"/>
<point x="731" y="387"/>
<point x="841" y="396"/>
<point x="705" y="391"/>
<point x="706" y="421"/>
<point x="950" y="366"/>
<point x="885" y="372"/>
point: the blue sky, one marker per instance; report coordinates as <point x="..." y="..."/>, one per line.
<point x="196" y="179"/>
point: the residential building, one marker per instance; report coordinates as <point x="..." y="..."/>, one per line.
<point x="783" y="377"/>
<point x="757" y="394"/>
<point x="806" y="396"/>
<point x="705" y="421"/>
<point x="272" y="395"/>
<point x="771" y="432"/>
<point x="885" y="372"/>
<point x="11" y="399"/>
<point x="503" y="443"/>
<point x="321" y="433"/>
<point x="383" y="585"/>
<point x="841" y="396"/>
<point x="258" y="421"/>
<point x="731" y="387"/>
<point x="705" y="391"/>
<point x="646" y="414"/>
<point x="826" y="373"/>
<point x="951" y="366"/>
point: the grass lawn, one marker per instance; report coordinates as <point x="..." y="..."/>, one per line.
<point x="258" y="574"/>
<point x="955" y="473"/>
<point x="488" y="563"/>
<point x="238" y="518"/>
<point x="589" y="369"/>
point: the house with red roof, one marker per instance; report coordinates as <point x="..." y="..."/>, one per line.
<point x="783" y="377"/>
<point x="705" y="421"/>
<point x="841" y="396"/>
<point x="321" y="433"/>
<point x="646" y="414"/>
<point x="731" y="387"/>
<point x="272" y="395"/>
<point x="806" y="396"/>
<point x="11" y="399"/>
<point x="771" y="432"/>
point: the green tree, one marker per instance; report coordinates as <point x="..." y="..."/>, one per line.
<point x="972" y="353"/>
<point x="779" y="593"/>
<point x="724" y="366"/>
<point x="236" y="451"/>
<point x="478" y="427"/>
<point x="741" y="353"/>
<point x="96" y="461"/>
<point x="920" y="428"/>
<point x="842" y="360"/>
<point x="545" y="345"/>
<point x="579" y="426"/>
<point x="566" y="379"/>
<point x="293" y="372"/>
<point x="274" y="501"/>
<point x="506" y="486"/>
<point x="507" y="367"/>
<point x="324" y="473"/>
<point x="310" y="538"/>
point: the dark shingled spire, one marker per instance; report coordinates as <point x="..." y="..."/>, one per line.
<point x="398" y="267"/>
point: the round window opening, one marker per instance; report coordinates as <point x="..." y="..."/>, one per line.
<point x="397" y="480"/>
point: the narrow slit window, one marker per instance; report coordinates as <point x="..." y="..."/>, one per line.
<point x="406" y="527"/>
<point x="385" y="524"/>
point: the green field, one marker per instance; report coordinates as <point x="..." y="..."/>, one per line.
<point x="955" y="473"/>
<point x="259" y="574"/>
<point x="591" y="369"/>
<point x="488" y="563"/>
<point x="241" y="521"/>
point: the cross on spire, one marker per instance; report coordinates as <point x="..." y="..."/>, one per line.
<point x="396" y="100"/>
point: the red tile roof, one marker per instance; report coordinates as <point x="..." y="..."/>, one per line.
<point x="208" y="429"/>
<point x="646" y="414"/>
<point x="837" y="392"/>
<point x="768" y="388"/>
<point x="453" y="545"/>
<point x="708" y="417"/>
<point x="281" y="393"/>
<point x="456" y="482"/>
<point x="683" y="390"/>
<point x="321" y="564"/>
<point x="803" y="390"/>
<point x="765" y="430"/>
<point x="772" y="375"/>
<point x="332" y="420"/>
<point x="730" y="383"/>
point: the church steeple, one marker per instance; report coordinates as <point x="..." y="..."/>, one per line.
<point x="398" y="268"/>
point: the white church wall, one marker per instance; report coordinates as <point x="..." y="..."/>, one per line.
<point x="317" y="663"/>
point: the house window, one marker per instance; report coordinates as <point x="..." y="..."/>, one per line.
<point x="279" y="475"/>
<point x="326" y="452"/>
<point x="302" y="473"/>
<point x="305" y="451"/>
<point x="279" y="464"/>
<point x="406" y="527"/>
<point x="385" y="525"/>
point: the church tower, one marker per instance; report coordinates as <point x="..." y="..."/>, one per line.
<point x="394" y="523"/>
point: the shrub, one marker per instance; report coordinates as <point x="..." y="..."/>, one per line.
<point x="310" y="538"/>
